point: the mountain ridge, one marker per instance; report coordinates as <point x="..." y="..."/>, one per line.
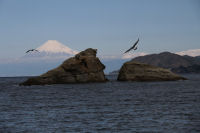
<point x="167" y="60"/>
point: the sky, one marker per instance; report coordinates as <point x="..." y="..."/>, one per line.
<point x="107" y="25"/>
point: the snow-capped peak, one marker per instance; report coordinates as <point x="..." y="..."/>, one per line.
<point x="53" y="46"/>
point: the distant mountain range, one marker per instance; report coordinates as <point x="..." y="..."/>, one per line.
<point x="174" y="62"/>
<point x="167" y="60"/>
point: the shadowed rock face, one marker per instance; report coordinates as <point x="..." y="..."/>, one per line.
<point x="134" y="71"/>
<point x="84" y="67"/>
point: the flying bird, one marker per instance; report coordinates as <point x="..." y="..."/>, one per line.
<point x="133" y="47"/>
<point x="31" y="50"/>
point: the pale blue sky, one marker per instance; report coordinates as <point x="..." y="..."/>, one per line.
<point x="108" y="25"/>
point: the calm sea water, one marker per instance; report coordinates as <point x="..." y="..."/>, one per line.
<point x="101" y="107"/>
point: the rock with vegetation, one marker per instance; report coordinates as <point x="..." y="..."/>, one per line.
<point x="135" y="71"/>
<point x="83" y="68"/>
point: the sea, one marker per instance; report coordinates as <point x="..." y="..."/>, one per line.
<point x="111" y="107"/>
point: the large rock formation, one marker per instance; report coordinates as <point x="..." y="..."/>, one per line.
<point x="84" y="67"/>
<point x="134" y="71"/>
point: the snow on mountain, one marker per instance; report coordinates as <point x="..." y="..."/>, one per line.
<point x="191" y="52"/>
<point x="51" y="50"/>
<point x="53" y="46"/>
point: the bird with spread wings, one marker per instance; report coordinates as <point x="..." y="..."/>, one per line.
<point x="31" y="50"/>
<point x="134" y="47"/>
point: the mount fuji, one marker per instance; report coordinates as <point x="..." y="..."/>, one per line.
<point x="51" y="49"/>
<point x="53" y="46"/>
<point x="48" y="56"/>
